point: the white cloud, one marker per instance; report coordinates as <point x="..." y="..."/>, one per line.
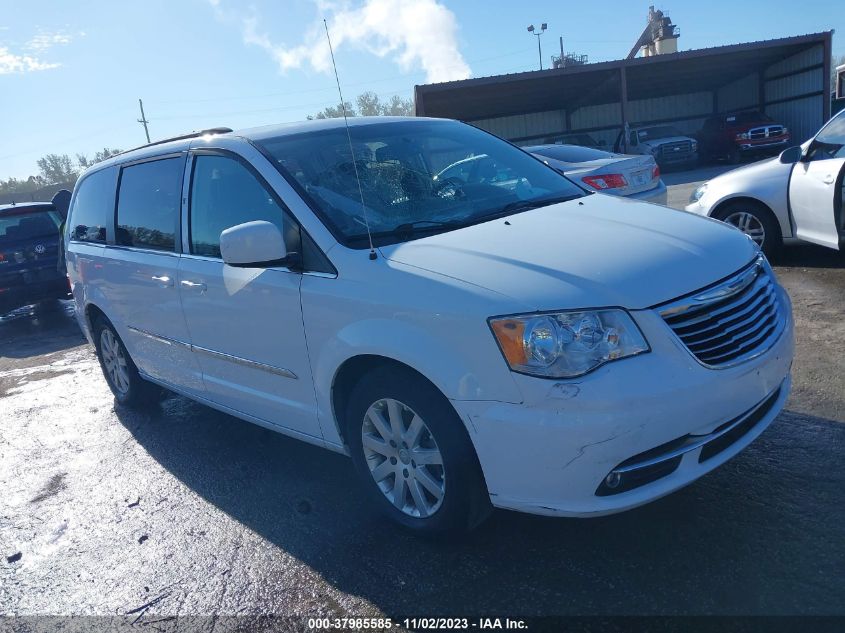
<point x="411" y="33"/>
<point x="10" y="63"/>
<point x="44" y="41"/>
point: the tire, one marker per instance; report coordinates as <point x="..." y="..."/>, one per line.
<point x="126" y="384"/>
<point x="737" y="214"/>
<point x="734" y="157"/>
<point x="464" y="502"/>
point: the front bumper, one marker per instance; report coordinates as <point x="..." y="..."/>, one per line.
<point x="752" y="148"/>
<point x="552" y="453"/>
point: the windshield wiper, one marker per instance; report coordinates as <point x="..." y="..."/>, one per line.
<point x="525" y="205"/>
<point x="418" y="226"/>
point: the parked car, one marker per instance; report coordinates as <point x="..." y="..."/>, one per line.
<point x="468" y="344"/>
<point x="29" y="246"/>
<point x="797" y="196"/>
<point x="584" y="139"/>
<point x="636" y="177"/>
<point x="668" y="145"/>
<point x="738" y="135"/>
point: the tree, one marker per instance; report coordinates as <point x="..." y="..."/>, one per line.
<point x="57" y="168"/>
<point x="84" y="162"/>
<point x="13" y="185"/>
<point x="369" y="104"/>
<point x="397" y="106"/>
<point x="334" y="112"/>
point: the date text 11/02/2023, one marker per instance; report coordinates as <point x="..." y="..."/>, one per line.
<point x="363" y="624"/>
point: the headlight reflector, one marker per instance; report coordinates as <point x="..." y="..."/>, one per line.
<point x="567" y="344"/>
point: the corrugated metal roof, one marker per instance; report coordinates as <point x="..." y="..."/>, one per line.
<point x="668" y="57"/>
<point x="698" y="70"/>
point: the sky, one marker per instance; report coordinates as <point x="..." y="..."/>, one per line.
<point x="71" y="73"/>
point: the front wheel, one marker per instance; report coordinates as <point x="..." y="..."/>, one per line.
<point x="756" y="221"/>
<point x="414" y="455"/>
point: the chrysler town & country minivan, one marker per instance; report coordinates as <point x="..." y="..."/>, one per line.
<point x="500" y="338"/>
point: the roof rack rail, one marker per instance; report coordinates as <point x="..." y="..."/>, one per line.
<point x="181" y="137"/>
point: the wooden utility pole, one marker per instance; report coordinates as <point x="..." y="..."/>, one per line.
<point x="143" y="120"/>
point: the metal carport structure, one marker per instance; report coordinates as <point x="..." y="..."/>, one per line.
<point x="787" y="78"/>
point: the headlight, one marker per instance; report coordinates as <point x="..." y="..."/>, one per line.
<point x="698" y="194"/>
<point x="567" y="344"/>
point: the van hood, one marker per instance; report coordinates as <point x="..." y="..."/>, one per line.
<point x="592" y="252"/>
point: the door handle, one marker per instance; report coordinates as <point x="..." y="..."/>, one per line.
<point x="828" y="180"/>
<point x="194" y="285"/>
<point x="163" y="280"/>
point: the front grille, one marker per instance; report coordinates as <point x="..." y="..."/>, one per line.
<point x="676" y="150"/>
<point x="731" y="322"/>
<point x="758" y="133"/>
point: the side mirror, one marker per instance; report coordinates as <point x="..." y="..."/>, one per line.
<point x="791" y="155"/>
<point x="255" y="244"/>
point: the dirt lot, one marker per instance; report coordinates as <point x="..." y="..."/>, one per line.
<point x="185" y="510"/>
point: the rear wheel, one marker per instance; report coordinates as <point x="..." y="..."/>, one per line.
<point x="119" y="370"/>
<point x="756" y="221"/>
<point x="413" y="454"/>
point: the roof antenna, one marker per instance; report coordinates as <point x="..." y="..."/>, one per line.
<point x="351" y="150"/>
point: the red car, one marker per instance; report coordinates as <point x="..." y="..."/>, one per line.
<point x="736" y="135"/>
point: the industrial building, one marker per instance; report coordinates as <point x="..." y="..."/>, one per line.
<point x="786" y="78"/>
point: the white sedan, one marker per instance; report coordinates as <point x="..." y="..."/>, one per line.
<point x="796" y="196"/>
<point x="636" y="177"/>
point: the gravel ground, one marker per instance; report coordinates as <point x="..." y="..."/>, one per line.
<point x="184" y="510"/>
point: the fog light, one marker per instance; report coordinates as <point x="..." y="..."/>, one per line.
<point x="613" y="480"/>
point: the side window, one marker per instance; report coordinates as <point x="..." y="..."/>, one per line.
<point x="225" y="193"/>
<point x="148" y="204"/>
<point x="92" y="205"/>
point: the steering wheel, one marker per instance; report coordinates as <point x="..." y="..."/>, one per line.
<point x="451" y="187"/>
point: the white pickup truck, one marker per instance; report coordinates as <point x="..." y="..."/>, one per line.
<point x="665" y="143"/>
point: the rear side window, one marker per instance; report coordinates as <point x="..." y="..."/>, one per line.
<point x="225" y="193"/>
<point x="92" y="205"/>
<point x="148" y="204"/>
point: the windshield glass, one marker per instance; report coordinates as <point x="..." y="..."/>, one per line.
<point x="415" y="176"/>
<point x="28" y="226"/>
<point x="569" y="153"/>
<point x="660" y="131"/>
<point x="830" y="141"/>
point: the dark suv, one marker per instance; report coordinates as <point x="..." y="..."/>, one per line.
<point x="29" y="250"/>
<point x="735" y="135"/>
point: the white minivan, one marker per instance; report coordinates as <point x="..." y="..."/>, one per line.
<point x="502" y="339"/>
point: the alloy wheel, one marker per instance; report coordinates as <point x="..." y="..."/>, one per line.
<point x="749" y="224"/>
<point x="403" y="458"/>
<point x="114" y="361"/>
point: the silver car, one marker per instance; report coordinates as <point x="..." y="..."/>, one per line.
<point x="796" y="196"/>
<point x="636" y="177"/>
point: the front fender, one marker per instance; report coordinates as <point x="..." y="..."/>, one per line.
<point x="474" y="370"/>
